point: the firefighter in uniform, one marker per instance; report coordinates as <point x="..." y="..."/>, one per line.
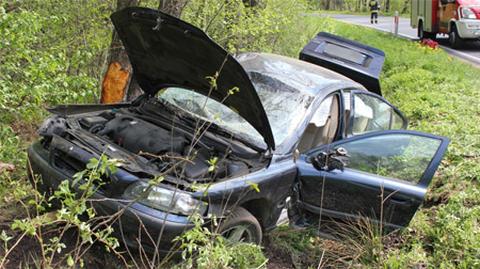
<point x="374" y="7"/>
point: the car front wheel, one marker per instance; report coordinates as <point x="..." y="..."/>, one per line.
<point x="454" y="39"/>
<point x="241" y="226"/>
<point x="420" y="33"/>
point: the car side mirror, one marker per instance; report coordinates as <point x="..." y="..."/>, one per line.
<point x="331" y="160"/>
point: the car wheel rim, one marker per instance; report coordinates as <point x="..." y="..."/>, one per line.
<point x="452" y="37"/>
<point x="239" y="233"/>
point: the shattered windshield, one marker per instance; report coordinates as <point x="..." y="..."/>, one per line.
<point x="211" y="110"/>
<point x="284" y="106"/>
<point x="286" y="87"/>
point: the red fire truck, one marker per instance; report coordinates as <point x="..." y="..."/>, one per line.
<point x="459" y="19"/>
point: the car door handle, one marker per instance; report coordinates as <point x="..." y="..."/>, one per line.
<point x="401" y="201"/>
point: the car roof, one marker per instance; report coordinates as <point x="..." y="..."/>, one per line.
<point x="309" y="78"/>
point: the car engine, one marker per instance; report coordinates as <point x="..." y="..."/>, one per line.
<point x="162" y="150"/>
<point x="139" y="136"/>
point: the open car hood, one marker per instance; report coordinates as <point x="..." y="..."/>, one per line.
<point x="166" y="51"/>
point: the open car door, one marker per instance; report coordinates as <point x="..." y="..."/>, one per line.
<point x="385" y="178"/>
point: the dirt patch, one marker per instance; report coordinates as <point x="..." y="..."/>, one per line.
<point x="26" y="131"/>
<point x="393" y="240"/>
<point x="278" y="260"/>
<point x="23" y="255"/>
<point x="27" y="253"/>
<point x="277" y="257"/>
<point x="436" y="199"/>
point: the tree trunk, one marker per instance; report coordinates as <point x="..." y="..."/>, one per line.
<point x="118" y="84"/>
<point x="326" y="4"/>
<point x="118" y="76"/>
<point x="406" y="5"/>
<point x="172" y="7"/>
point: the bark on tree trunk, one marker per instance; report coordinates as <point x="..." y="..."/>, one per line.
<point x="172" y="7"/>
<point x="118" y="84"/>
<point x="117" y="79"/>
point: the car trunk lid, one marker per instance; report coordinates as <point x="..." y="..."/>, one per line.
<point x="354" y="60"/>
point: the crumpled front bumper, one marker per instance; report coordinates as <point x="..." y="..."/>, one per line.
<point x="136" y="224"/>
<point x="468" y="28"/>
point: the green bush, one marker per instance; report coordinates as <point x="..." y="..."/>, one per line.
<point x="241" y="28"/>
<point x="46" y="57"/>
<point x="204" y="249"/>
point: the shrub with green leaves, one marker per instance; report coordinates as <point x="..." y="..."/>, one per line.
<point x="238" y="27"/>
<point x="204" y="249"/>
<point x="49" y="55"/>
<point x="49" y="228"/>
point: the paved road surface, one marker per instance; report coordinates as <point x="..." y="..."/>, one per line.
<point x="470" y="52"/>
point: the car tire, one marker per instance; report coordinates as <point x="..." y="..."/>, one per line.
<point x="430" y="35"/>
<point x="454" y="39"/>
<point x="241" y="226"/>
<point x="425" y="35"/>
<point x="420" y="32"/>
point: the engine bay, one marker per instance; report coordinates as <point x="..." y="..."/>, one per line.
<point x="150" y="150"/>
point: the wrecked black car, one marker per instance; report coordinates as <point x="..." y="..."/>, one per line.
<point x="276" y="130"/>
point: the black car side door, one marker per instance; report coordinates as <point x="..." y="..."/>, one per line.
<point x="385" y="178"/>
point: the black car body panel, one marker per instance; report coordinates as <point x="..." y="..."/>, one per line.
<point x="352" y="192"/>
<point x="136" y="217"/>
<point x="259" y="181"/>
<point x="164" y="50"/>
<point x="357" y="61"/>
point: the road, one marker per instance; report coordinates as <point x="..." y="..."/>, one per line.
<point x="470" y="52"/>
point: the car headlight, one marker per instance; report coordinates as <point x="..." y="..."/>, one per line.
<point x="176" y="202"/>
<point x="473" y="26"/>
<point x="468" y="13"/>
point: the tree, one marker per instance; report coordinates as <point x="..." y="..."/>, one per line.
<point x="118" y="75"/>
<point x="326" y="4"/>
<point x="118" y="83"/>
<point x="172" y="7"/>
<point x="406" y="6"/>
